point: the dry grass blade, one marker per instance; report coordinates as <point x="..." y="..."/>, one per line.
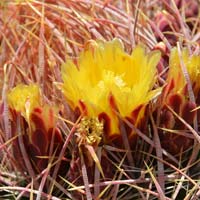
<point x="95" y="158"/>
<point x="196" y="135"/>
<point x="85" y="177"/>
<point x="29" y="191"/>
<point x="159" y="155"/>
<point x="158" y="186"/>
<point x="97" y="174"/>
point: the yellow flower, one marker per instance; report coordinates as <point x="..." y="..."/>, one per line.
<point x="192" y="64"/>
<point x="23" y="98"/>
<point x="106" y="78"/>
<point x="42" y="128"/>
<point x="27" y="100"/>
<point x="176" y="96"/>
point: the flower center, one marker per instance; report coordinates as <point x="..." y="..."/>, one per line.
<point x="91" y="130"/>
<point x="109" y="79"/>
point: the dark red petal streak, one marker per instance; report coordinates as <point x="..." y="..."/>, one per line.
<point x="103" y="117"/>
<point x="39" y="139"/>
